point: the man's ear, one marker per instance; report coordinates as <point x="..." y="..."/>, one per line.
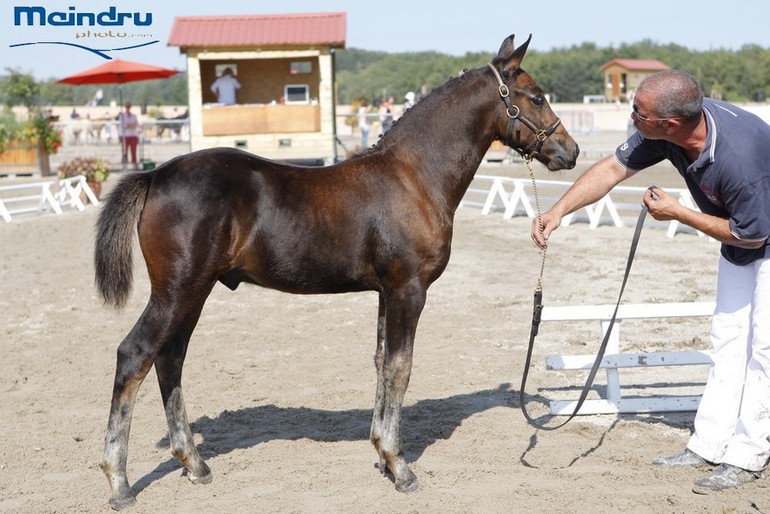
<point x="672" y="125"/>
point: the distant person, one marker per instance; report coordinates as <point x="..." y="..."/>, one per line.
<point x="386" y="114"/>
<point x="128" y="135"/>
<point x="423" y="92"/>
<point x="225" y="87"/>
<point x="76" y="127"/>
<point x="409" y="100"/>
<point x="363" y="123"/>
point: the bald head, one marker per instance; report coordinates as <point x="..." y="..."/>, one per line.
<point x="677" y="94"/>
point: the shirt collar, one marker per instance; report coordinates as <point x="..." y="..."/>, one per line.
<point x="707" y="155"/>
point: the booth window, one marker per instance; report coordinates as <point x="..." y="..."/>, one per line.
<point x="220" y="68"/>
<point x="296" y="93"/>
<point x="300" y="67"/>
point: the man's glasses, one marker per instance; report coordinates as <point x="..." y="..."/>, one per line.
<point x="644" y="119"/>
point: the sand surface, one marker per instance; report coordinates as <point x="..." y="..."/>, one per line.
<point x="279" y="388"/>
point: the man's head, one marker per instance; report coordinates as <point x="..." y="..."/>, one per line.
<point x="668" y="98"/>
<point x="677" y="94"/>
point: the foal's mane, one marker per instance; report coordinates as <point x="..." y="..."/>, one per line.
<point x="432" y="102"/>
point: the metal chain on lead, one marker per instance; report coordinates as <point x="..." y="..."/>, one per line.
<point x="539" y="286"/>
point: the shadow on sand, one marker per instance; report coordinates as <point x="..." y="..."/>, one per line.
<point x="425" y="422"/>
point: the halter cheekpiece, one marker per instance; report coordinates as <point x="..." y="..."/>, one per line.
<point x="516" y="118"/>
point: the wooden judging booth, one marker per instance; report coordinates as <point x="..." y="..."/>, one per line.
<point x="285" y="107"/>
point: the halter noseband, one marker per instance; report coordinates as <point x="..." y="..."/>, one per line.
<point x="516" y="118"/>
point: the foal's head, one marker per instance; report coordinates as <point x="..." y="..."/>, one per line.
<point x="526" y="122"/>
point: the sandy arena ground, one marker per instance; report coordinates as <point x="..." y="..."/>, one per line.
<point x="279" y="388"/>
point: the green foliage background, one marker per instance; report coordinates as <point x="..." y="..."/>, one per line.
<point x="565" y="73"/>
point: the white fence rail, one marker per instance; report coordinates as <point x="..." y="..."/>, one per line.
<point x="513" y="196"/>
<point x="39" y="197"/>
<point x="613" y="360"/>
<point x="105" y="131"/>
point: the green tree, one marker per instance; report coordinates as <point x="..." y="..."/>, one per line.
<point x="566" y="74"/>
<point x="18" y="88"/>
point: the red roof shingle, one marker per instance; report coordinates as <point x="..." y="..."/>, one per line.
<point x="327" y="29"/>
<point x="637" y="64"/>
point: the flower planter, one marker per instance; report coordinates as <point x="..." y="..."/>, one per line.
<point x="96" y="187"/>
<point x="94" y="169"/>
<point x="19" y="158"/>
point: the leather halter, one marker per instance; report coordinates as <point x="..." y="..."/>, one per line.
<point x="516" y="118"/>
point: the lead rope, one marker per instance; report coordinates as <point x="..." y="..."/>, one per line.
<point x="538" y="309"/>
<point x="539" y="286"/>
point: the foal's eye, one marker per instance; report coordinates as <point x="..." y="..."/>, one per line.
<point x="538" y="100"/>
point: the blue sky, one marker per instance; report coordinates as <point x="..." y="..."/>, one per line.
<point x="402" y="26"/>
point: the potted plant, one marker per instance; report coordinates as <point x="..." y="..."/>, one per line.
<point x="26" y="142"/>
<point x="48" y="140"/>
<point x="35" y="133"/>
<point x="95" y="169"/>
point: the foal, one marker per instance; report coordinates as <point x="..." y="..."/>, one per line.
<point x="381" y="221"/>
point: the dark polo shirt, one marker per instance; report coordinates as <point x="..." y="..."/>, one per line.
<point x="731" y="177"/>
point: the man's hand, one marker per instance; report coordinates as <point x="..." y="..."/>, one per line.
<point x="661" y="205"/>
<point x="542" y="226"/>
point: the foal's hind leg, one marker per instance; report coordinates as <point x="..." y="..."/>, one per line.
<point x="168" y="366"/>
<point x="161" y="333"/>
<point x="402" y="311"/>
<point x="135" y="358"/>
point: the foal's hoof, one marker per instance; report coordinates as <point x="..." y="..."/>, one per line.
<point x="122" y="502"/>
<point x="203" y="479"/>
<point x="408" y="486"/>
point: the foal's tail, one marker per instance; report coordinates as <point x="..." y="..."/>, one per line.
<point x="113" y="260"/>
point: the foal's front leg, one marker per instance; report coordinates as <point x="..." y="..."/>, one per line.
<point x="375" y="434"/>
<point x="402" y="311"/>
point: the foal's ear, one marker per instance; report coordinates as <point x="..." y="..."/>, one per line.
<point x="510" y="56"/>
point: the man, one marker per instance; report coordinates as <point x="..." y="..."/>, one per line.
<point x="723" y="154"/>
<point x="225" y="86"/>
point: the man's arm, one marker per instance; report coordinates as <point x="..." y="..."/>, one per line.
<point x="664" y="207"/>
<point x="589" y="188"/>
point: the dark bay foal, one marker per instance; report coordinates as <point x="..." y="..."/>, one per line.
<point x="380" y="221"/>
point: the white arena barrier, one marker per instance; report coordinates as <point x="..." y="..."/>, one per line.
<point x="39" y="197"/>
<point x="613" y="360"/>
<point x="515" y="196"/>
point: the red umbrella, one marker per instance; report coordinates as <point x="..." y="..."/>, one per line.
<point x="118" y="71"/>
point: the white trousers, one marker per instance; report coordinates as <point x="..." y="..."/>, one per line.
<point x="732" y="424"/>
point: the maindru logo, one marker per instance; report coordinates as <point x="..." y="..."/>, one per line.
<point x="123" y="26"/>
<point x="109" y="18"/>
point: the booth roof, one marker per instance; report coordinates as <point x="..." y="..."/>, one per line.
<point x="327" y="29"/>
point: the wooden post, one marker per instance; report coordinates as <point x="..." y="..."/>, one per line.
<point x="44" y="159"/>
